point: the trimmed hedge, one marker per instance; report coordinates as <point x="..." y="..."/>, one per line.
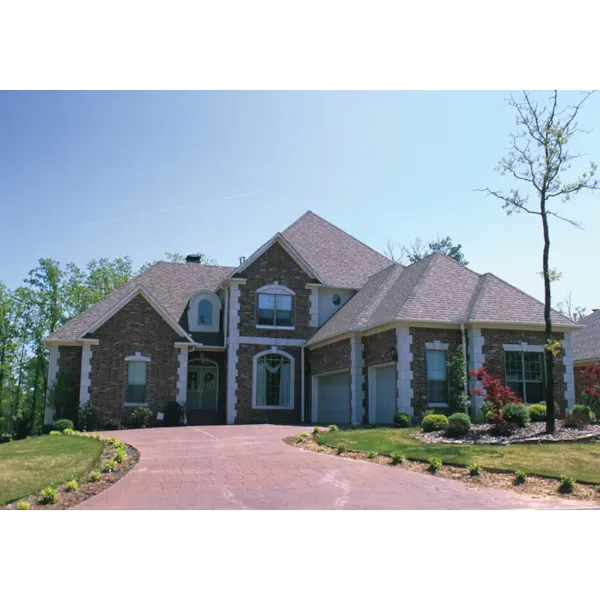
<point x="434" y="423"/>
<point x="459" y="425"/>
<point x="537" y="412"/>
<point x="517" y="414"/>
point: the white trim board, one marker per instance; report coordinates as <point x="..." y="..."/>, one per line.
<point x="523" y="347"/>
<point x="270" y="341"/>
<point x="140" y="289"/>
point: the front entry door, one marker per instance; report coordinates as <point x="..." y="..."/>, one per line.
<point x="202" y="388"/>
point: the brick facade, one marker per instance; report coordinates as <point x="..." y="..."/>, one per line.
<point x="137" y="327"/>
<point x="377" y="351"/>
<point x="420" y="336"/>
<point x="245" y="412"/>
<point x="493" y="350"/>
<point x="326" y="359"/>
<point x="275" y="265"/>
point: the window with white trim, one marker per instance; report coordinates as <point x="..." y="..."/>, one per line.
<point x="137" y="379"/>
<point x="205" y="312"/>
<point x="525" y="375"/>
<point x="273" y="381"/>
<point x="437" y="377"/>
<point x="275" y="310"/>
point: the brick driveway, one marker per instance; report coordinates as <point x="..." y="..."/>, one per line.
<point x="248" y="466"/>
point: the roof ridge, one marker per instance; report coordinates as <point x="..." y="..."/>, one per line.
<point x="382" y="289"/>
<point x="340" y="230"/>
<point x="419" y="282"/>
<point x="168" y="262"/>
<point x="526" y="294"/>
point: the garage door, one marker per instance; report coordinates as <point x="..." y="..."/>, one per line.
<point x="334" y="398"/>
<point x="385" y="394"/>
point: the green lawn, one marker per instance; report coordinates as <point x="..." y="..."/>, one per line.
<point x="580" y="460"/>
<point x="30" y="465"/>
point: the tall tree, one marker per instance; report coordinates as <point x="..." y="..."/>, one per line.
<point x="538" y="156"/>
<point x="417" y="250"/>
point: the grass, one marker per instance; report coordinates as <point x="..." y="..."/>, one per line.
<point x="578" y="459"/>
<point x="30" y="465"/>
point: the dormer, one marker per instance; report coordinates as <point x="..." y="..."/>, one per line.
<point x="204" y="312"/>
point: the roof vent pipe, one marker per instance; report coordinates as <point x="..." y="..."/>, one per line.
<point x="242" y="259"/>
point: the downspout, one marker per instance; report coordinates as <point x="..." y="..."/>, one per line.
<point x="464" y="345"/>
<point x="302" y="388"/>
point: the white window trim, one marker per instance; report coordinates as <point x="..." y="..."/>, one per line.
<point x="283" y="327"/>
<point x="275" y="288"/>
<point x="137" y="357"/>
<point x="193" y="324"/>
<point x="292" y="377"/>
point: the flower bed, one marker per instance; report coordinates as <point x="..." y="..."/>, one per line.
<point x="535" y="432"/>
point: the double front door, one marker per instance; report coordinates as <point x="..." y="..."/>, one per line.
<point x="202" y="389"/>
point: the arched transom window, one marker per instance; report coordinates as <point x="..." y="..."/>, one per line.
<point x="204" y="312"/>
<point x="273" y="382"/>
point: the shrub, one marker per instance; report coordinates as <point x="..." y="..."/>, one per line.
<point x="55" y="432"/>
<point x="372" y="454"/>
<point x="23" y="505"/>
<point x="520" y="477"/>
<point x="402" y="420"/>
<point x="434" y="423"/>
<point x="397" y="458"/>
<point x="110" y="466"/>
<point x="341" y="449"/>
<point x="301" y="437"/>
<point x="458" y="426"/>
<point x="316" y="430"/>
<point x="62" y="424"/>
<point x="474" y="470"/>
<point x="496" y="394"/>
<point x="517" y="414"/>
<point x="88" y="417"/>
<point x="333" y="428"/>
<point x="95" y="476"/>
<point x="71" y="432"/>
<point x="112" y="425"/>
<point x="71" y="485"/>
<point x="434" y="464"/>
<point x="49" y="496"/>
<point x="586" y="411"/>
<point x="140" y="418"/>
<point x="458" y="400"/>
<point x="537" y="412"/>
<point x="576" y="421"/>
<point x="567" y="484"/>
<point x="173" y="412"/>
<point x="320" y="449"/>
<point x="121" y="455"/>
<point x="591" y="391"/>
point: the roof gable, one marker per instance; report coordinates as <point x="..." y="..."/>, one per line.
<point x="586" y="341"/>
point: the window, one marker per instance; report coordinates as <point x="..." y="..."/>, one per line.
<point x="437" y="379"/>
<point x="205" y="312"/>
<point x="275" y="310"/>
<point x="273" y="381"/>
<point x="525" y="375"/>
<point x="136" y="382"/>
<point x="336" y="299"/>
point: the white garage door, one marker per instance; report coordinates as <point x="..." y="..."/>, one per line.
<point x="334" y="398"/>
<point x="384" y="390"/>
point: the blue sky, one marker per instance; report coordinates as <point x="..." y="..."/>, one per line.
<point x="89" y="175"/>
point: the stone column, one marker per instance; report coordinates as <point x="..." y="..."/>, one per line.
<point x="569" y="371"/>
<point x="476" y="360"/>
<point x="182" y="372"/>
<point x="52" y="375"/>
<point x="357" y="379"/>
<point x="404" y="371"/>
<point x="232" y="350"/>
<point x="86" y="373"/>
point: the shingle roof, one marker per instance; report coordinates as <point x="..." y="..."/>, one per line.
<point x="171" y="284"/>
<point x="586" y="341"/>
<point x="437" y="289"/>
<point x="339" y="259"/>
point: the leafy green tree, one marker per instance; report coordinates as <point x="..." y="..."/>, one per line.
<point x="417" y="250"/>
<point x="457" y="381"/>
<point x="538" y="157"/>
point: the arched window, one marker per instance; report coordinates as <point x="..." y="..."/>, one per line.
<point x="273" y="380"/>
<point x="205" y="310"/>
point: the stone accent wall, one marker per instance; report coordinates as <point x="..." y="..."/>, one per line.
<point x="211" y="417"/>
<point x="377" y="351"/>
<point x="275" y="265"/>
<point x="137" y="327"/>
<point x="245" y="412"/>
<point x="420" y="336"/>
<point x="493" y="350"/>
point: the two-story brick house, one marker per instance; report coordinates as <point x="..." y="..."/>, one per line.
<point x="313" y="327"/>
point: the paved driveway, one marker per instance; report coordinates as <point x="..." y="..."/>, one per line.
<point x="248" y="466"/>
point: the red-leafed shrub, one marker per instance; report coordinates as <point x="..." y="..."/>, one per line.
<point x="496" y="395"/>
<point x="591" y="388"/>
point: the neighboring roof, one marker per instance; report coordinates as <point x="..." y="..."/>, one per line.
<point x="170" y="284"/>
<point x="435" y="289"/>
<point x="586" y="341"/>
<point x="339" y="259"/>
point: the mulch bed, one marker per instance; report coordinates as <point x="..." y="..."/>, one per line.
<point x="535" y="487"/>
<point x="86" y="488"/>
<point x="536" y="432"/>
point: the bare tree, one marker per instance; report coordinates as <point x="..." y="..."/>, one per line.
<point x="417" y="250"/>
<point x="537" y="158"/>
<point x="567" y="307"/>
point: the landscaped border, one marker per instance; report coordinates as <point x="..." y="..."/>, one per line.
<point x="535" y="486"/>
<point x="108" y="472"/>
